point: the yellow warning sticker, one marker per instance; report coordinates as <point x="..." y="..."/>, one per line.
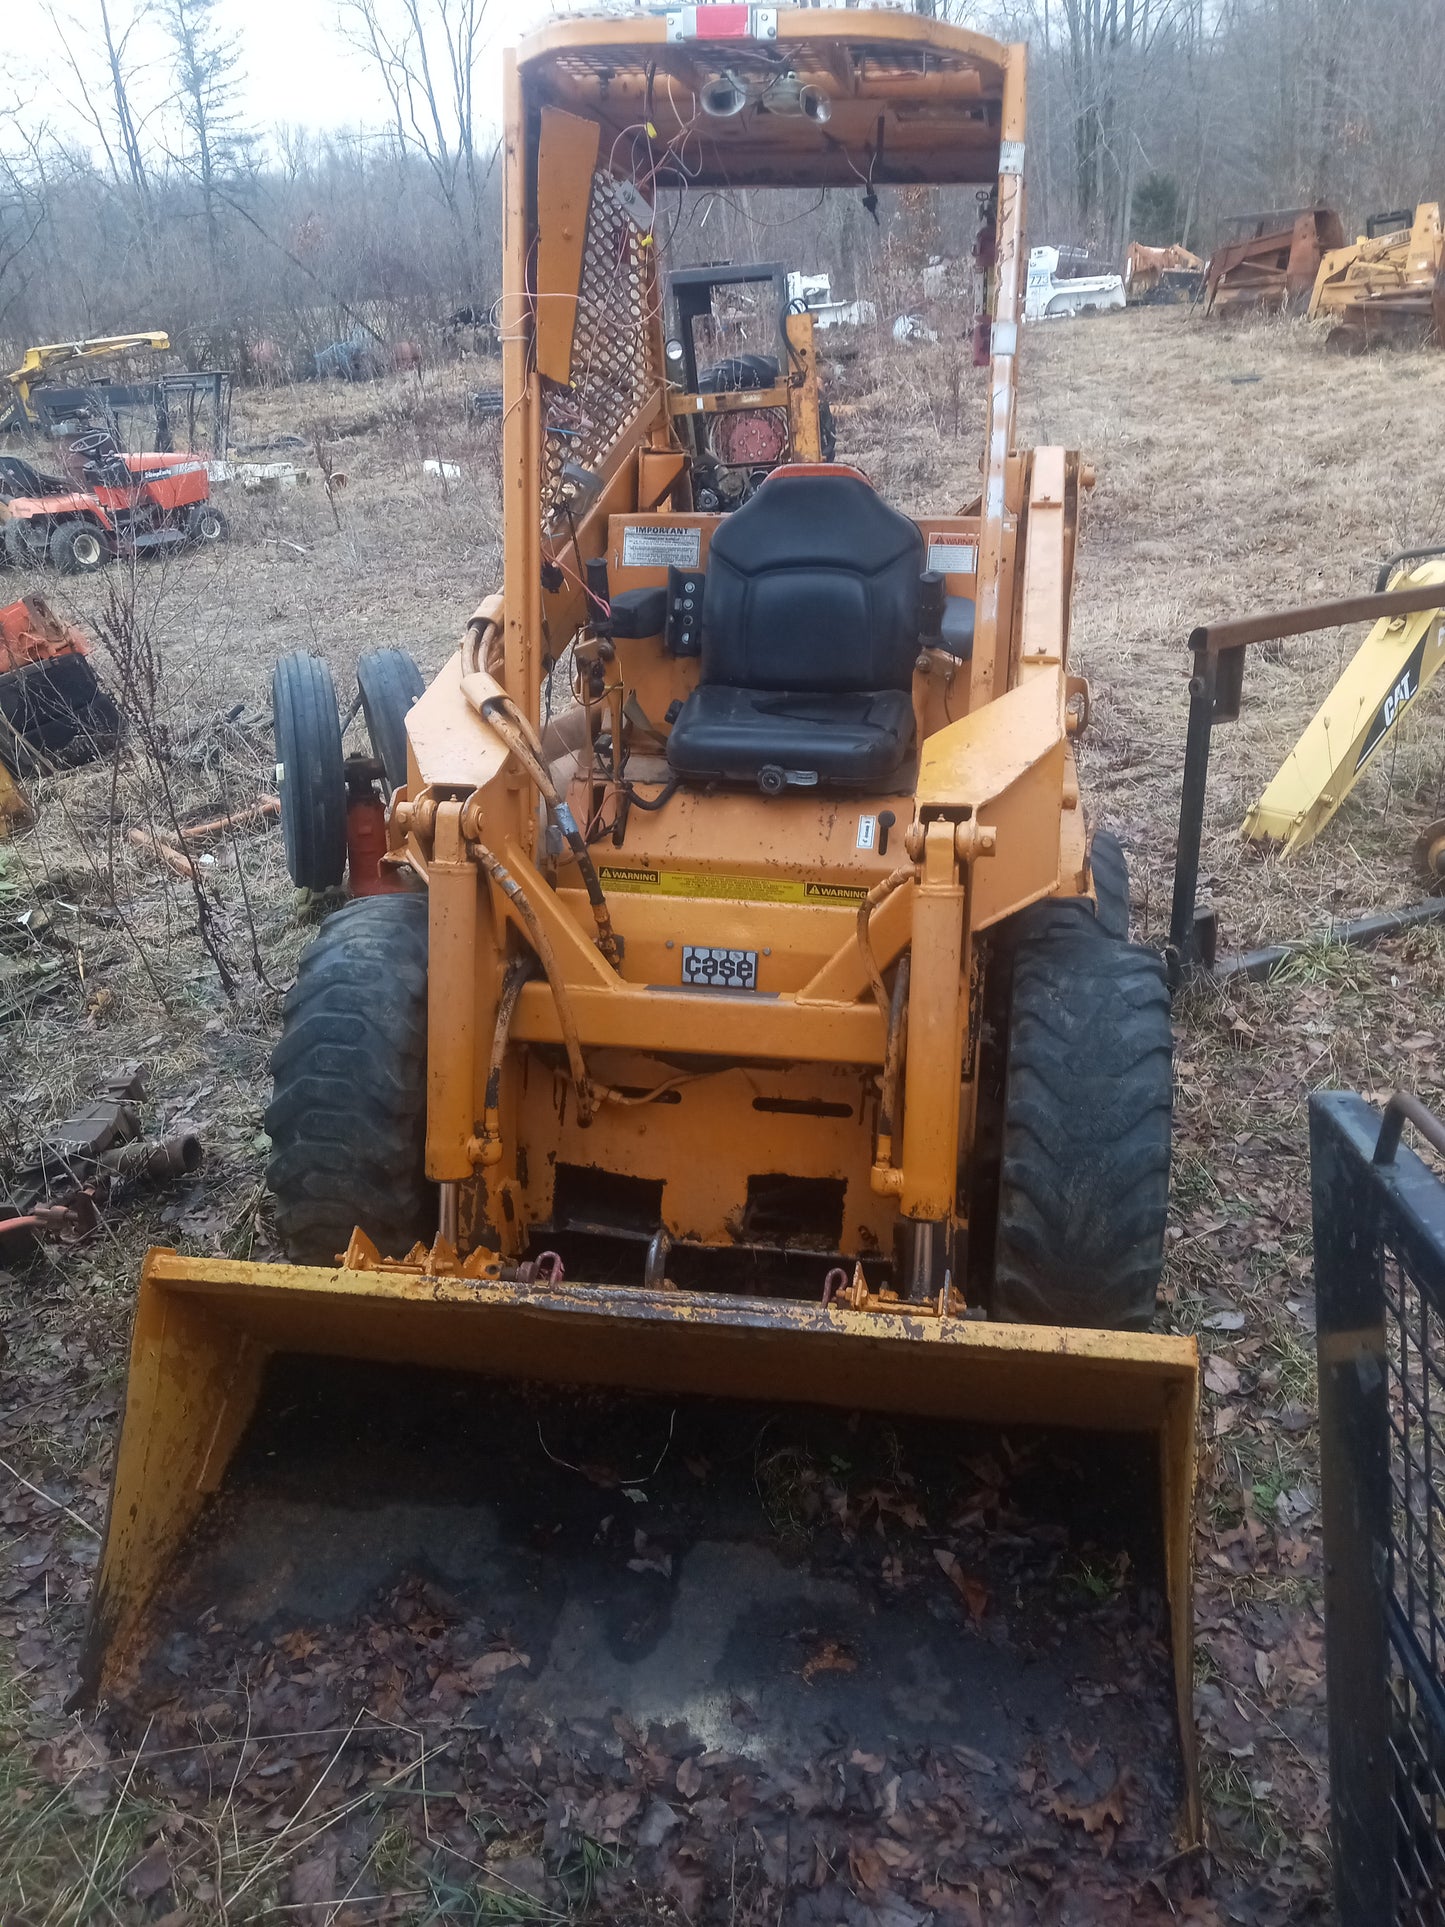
<point x="641" y="880"/>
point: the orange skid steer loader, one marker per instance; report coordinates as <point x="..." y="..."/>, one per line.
<point x="768" y="1030"/>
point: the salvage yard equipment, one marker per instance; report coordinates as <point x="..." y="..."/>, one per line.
<point x="53" y="708"/>
<point x="20" y="387"/>
<point x="112" y="504"/>
<point x="176" y="414"/>
<point x="1397" y="661"/>
<point x="1060" y="286"/>
<point x="740" y="416"/>
<point x="769" y="1030"/>
<point x="1366" y="704"/>
<point x="1275" y="265"/>
<point x="1155" y="276"/>
<point x="1389" y="286"/>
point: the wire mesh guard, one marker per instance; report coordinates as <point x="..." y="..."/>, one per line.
<point x="613" y="347"/>
<point x="1415" y="1365"/>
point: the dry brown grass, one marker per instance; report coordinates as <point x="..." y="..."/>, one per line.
<point x="1216" y="494"/>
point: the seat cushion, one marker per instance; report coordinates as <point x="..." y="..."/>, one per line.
<point x="857" y="738"/>
<point x="812" y="584"/>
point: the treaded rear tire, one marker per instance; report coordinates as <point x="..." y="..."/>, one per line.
<point x="1084" y="1186"/>
<point x="390" y="683"/>
<point x="310" y="771"/>
<point x="79" y="548"/>
<point x="1110" y="869"/>
<point x="347" y="1117"/>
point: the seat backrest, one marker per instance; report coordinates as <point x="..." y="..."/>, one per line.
<point x="812" y="585"/>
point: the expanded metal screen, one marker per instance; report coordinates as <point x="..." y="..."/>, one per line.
<point x="1379" y="1218"/>
<point x="1415" y="1369"/>
<point x="613" y="348"/>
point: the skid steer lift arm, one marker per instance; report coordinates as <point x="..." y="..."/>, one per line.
<point x="1378" y="685"/>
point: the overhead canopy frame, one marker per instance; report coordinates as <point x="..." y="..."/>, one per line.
<point x="909" y="101"/>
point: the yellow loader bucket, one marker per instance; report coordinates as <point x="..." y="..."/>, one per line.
<point x="206" y="1328"/>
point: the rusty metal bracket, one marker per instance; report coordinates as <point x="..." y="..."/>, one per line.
<point x="1216" y="688"/>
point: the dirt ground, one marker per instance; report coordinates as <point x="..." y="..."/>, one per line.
<point x="1237" y="468"/>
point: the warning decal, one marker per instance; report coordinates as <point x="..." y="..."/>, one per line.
<point x="643" y="881"/>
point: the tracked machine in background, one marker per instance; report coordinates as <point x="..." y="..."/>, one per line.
<point x="1389" y="286"/>
<point x="766" y="1026"/>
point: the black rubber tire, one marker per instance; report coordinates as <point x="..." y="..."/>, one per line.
<point x="390" y="683"/>
<point x="206" y="525"/>
<point x="1110" y="869"/>
<point x="79" y="548"/>
<point x="1084" y="1185"/>
<point x="310" y="772"/>
<point x="347" y="1117"/>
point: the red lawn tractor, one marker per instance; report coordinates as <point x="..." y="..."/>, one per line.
<point x="108" y="504"/>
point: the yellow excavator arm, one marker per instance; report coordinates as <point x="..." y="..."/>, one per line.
<point x="1398" y="659"/>
<point x="43" y="360"/>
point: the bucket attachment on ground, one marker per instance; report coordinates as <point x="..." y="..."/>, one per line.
<point x="206" y="1330"/>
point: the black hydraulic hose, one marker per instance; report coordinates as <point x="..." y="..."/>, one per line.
<point x="664" y="795"/>
<point x="510" y="725"/>
<point x="518" y="971"/>
<point x="1392" y="562"/>
<point x="893" y="1052"/>
<point x="567" y="823"/>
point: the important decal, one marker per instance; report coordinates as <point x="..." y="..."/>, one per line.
<point x="1406" y="688"/>
<point x="651" y="545"/>
<point x="641" y="880"/>
<point x="952" y="558"/>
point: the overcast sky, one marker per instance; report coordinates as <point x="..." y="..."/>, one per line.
<point x="296" y="65"/>
<point x="299" y="68"/>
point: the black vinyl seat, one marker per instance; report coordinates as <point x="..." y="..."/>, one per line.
<point x="809" y="637"/>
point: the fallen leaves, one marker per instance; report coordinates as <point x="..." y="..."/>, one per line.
<point x="831" y="1657"/>
<point x="1096" y="1816"/>
<point x="972" y="1592"/>
<point x="313" y="1885"/>
<point x="1220" y="1376"/>
<point x="150" y="1875"/>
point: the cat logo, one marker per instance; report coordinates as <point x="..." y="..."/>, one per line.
<point x="1406" y="688"/>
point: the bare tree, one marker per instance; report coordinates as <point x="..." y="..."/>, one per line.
<point x="426" y="52"/>
<point x="206" y="69"/>
<point x="118" y="68"/>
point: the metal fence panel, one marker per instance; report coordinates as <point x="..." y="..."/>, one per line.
<point x="1379" y="1233"/>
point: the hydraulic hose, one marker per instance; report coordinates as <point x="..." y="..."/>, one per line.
<point x="870" y="903"/>
<point x="893" y="1050"/>
<point x="503" y="716"/>
<point x="517" y="973"/>
<point x="547" y="957"/>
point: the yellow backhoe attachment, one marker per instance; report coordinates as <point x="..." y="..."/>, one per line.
<point x="206" y="1329"/>
<point x="40" y="363"/>
<point x="1398" y="659"/>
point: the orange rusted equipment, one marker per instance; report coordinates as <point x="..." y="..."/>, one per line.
<point x="776" y="991"/>
<point x="1274" y="265"/>
<point x="52" y="706"/>
<point x="1389" y="286"/>
<point x="1153" y="275"/>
